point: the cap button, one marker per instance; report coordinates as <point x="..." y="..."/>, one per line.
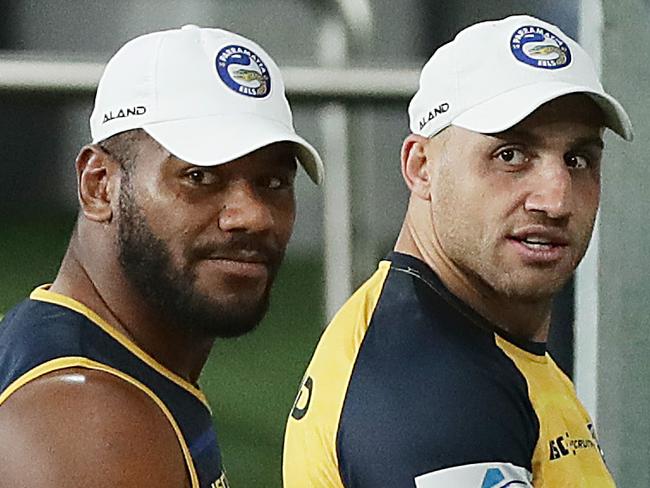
<point x="190" y="27"/>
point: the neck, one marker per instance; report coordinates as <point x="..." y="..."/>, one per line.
<point x="105" y="290"/>
<point x="525" y="319"/>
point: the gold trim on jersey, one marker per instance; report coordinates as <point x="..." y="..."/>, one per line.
<point x="44" y="295"/>
<point x="310" y="454"/>
<point x="566" y="447"/>
<point x="81" y="362"/>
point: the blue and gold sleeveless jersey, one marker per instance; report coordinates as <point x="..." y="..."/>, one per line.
<point x="50" y="332"/>
<point x="409" y="387"/>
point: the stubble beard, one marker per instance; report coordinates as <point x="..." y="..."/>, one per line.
<point x="491" y="270"/>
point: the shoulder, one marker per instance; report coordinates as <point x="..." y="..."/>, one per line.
<point x="310" y="440"/>
<point x="80" y="427"/>
<point x="420" y="390"/>
<point x="423" y="403"/>
<point x="333" y="361"/>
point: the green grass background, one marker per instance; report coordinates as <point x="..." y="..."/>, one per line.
<point x="251" y="381"/>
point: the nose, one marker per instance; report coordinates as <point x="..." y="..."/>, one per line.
<point x="550" y="193"/>
<point x="244" y="210"/>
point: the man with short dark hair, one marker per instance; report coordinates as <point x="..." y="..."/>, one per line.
<point x="435" y="372"/>
<point x="187" y="205"/>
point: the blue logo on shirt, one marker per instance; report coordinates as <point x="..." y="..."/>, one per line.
<point x="243" y="71"/>
<point x="539" y="48"/>
<point x="494" y="478"/>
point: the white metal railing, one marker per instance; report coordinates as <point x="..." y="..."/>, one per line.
<point x="329" y="83"/>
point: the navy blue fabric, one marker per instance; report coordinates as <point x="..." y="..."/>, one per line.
<point x="430" y="388"/>
<point x="35" y="332"/>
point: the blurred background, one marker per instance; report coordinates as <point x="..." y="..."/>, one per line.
<point x="350" y="68"/>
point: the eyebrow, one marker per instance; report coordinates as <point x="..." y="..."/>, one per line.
<point x="525" y="135"/>
<point x="590" y="141"/>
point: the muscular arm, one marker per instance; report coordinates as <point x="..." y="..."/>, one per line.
<point x="79" y="427"/>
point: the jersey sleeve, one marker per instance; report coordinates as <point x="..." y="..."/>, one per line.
<point x="310" y="445"/>
<point x="310" y="442"/>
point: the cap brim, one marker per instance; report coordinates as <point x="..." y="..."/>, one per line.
<point x="217" y="139"/>
<point x="508" y="109"/>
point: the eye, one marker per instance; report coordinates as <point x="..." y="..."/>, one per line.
<point x="577" y="161"/>
<point x="512" y="156"/>
<point x="198" y="176"/>
<point x="275" y="183"/>
<point x="278" y="182"/>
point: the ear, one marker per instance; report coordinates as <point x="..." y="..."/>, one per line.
<point x="96" y="181"/>
<point x="415" y="170"/>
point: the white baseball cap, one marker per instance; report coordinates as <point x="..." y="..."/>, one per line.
<point x="494" y="74"/>
<point x="208" y="96"/>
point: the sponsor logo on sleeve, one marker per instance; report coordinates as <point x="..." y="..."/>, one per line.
<point x="569" y="445"/>
<point x="303" y="400"/>
<point x="480" y="475"/>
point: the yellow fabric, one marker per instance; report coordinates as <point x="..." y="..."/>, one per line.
<point x="44" y="295"/>
<point x="310" y="458"/>
<point x="81" y="362"/>
<point x="566" y="454"/>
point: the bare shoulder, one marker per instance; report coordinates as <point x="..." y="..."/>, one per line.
<point x="79" y="427"/>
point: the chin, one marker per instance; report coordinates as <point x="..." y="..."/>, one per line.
<point x="234" y="317"/>
<point x="232" y="292"/>
<point x="534" y="289"/>
<point x="231" y="329"/>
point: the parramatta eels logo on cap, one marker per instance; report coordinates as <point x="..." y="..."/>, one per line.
<point x="540" y="48"/>
<point x="243" y="71"/>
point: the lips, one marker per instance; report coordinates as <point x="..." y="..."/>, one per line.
<point x="242" y="257"/>
<point x="239" y="266"/>
<point x="540" y="244"/>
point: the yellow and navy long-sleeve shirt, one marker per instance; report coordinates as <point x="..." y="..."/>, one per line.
<point x="409" y="387"/>
<point x="50" y="332"/>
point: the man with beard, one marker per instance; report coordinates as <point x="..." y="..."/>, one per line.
<point x="435" y="372"/>
<point x="186" y="207"/>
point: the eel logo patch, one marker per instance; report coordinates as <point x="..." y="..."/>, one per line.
<point x="243" y="71"/>
<point x="539" y="48"/>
